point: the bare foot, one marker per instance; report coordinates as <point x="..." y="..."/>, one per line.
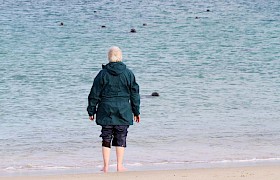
<point x="121" y="169"/>
<point x="104" y="169"/>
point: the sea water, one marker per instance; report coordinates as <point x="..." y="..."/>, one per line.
<point x="215" y="64"/>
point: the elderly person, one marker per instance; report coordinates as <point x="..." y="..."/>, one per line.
<point x="114" y="98"/>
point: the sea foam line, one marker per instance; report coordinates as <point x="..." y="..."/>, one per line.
<point x="48" y="167"/>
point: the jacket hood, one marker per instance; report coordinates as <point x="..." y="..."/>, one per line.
<point x="115" y="68"/>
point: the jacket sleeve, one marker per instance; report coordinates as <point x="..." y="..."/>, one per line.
<point x="94" y="95"/>
<point x="134" y="96"/>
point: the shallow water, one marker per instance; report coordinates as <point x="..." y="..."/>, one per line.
<point x="218" y="76"/>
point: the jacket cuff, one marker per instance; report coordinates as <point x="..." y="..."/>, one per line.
<point x="91" y="111"/>
<point x="136" y="113"/>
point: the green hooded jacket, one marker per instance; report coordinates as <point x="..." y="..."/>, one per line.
<point x="114" y="96"/>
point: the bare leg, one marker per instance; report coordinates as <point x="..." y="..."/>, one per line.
<point x="106" y="157"/>
<point x="120" y="154"/>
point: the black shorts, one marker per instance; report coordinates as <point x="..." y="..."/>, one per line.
<point x="117" y="133"/>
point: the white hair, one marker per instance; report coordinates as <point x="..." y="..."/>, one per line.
<point x="115" y="54"/>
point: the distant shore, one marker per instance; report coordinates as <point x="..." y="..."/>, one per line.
<point x="237" y="173"/>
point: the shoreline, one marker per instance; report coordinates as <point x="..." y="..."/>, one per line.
<point x="271" y="172"/>
<point x="58" y="171"/>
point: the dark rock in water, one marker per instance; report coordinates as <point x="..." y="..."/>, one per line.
<point x="132" y="30"/>
<point x="196" y="17"/>
<point x="61" y="24"/>
<point x="144" y="24"/>
<point x="155" y="94"/>
<point x="103" y="26"/>
<point x="208" y="10"/>
<point x="95" y="11"/>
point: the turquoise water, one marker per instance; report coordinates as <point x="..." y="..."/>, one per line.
<point x="218" y="76"/>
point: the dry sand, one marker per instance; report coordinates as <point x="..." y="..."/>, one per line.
<point x="239" y="173"/>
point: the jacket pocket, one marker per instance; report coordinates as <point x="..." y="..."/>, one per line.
<point x="126" y="112"/>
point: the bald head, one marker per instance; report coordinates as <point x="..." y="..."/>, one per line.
<point x="115" y="54"/>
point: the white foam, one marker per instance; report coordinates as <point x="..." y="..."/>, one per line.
<point x="246" y="160"/>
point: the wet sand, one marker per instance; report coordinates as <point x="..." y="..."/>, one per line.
<point x="238" y="173"/>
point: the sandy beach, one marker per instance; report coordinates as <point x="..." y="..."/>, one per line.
<point x="238" y="173"/>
